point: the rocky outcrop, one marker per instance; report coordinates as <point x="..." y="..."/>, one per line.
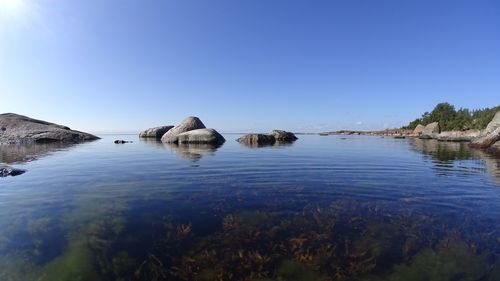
<point x="9" y="171"/>
<point x="183" y="133"/>
<point x="257" y="139"/>
<point x="276" y="136"/>
<point x="122" y="141"/>
<point x="419" y="129"/>
<point x="430" y="131"/>
<point x="283" y="136"/>
<point x="457" y="136"/>
<point x="200" y="136"/>
<point x="19" y="129"/>
<point x="156" y="132"/>
<point x="386" y="132"/>
<point x="490" y="135"/>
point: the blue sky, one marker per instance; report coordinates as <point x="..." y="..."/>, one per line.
<point x="246" y="65"/>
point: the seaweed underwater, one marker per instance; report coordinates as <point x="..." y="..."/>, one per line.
<point x="340" y="240"/>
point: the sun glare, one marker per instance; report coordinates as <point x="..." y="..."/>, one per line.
<point x="12" y="7"/>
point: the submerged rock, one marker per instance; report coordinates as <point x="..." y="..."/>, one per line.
<point x="156" y="132"/>
<point x="122" y="141"/>
<point x="9" y="171"/>
<point x="192" y="130"/>
<point x="490" y="135"/>
<point x="19" y="129"/>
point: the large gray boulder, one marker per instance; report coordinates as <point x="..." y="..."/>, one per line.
<point x="200" y="136"/>
<point x="430" y="131"/>
<point x="419" y="129"/>
<point x="490" y="135"/>
<point x="257" y="140"/>
<point x="278" y="137"/>
<point x="283" y="136"/>
<point x="156" y="132"/>
<point x="19" y="129"/>
<point x="188" y="124"/>
<point x="190" y="131"/>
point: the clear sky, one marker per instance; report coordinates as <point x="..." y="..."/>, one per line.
<point x="246" y="65"/>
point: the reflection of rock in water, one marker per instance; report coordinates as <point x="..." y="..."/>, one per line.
<point x="152" y="142"/>
<point x="17" y="153"/>
<point x="192" y="152"/>
<point x="276" y="144"/>
<point x="445" y="153"/>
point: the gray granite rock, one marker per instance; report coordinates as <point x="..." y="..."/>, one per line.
<point x="188" y="124"/>
<point x="457" y="135"/>
<point x="200" y="136"/>
<point x="278" y="137"/>
<point x="419" y="129"/>
<point x="19" y="129"/>
<point x="257" y="139"/>
<point x="430" y="131"/>
<point x="156" y="132"/>
<point x="490" y="135"/>
<point x="192" y="130"/>
<point x="283" y="136"/>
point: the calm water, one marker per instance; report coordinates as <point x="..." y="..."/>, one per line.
<point x="324" y="208"/>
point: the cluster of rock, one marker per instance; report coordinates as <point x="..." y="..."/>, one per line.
<point x="190" y="131"/>
<point x="433" y="131"/>
<point x="276" y="136"/>
<point x="387" y="132"/>
<point x="9" y="171"/>
<point x="489" y="137"/>
<point x="19" y="129"/>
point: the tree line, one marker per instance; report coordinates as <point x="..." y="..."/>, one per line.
<point x="451" y="119"/>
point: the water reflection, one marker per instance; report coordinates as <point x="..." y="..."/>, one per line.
<point x="192" y="152"/>
<point x="457" y="157"/>
<point x="19" y="153"/>
<point x="277" y="144"/>
<point x="152" y="142"/>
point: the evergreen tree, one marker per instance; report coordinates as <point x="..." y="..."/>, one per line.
<point x="450" y="119"/>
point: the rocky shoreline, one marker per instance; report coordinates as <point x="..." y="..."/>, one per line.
<point x="19" y="129"/>
<point x="487" y="139"/>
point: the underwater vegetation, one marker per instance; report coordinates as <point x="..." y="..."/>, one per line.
<point x="341" y="240"/>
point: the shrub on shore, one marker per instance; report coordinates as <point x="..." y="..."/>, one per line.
<point x="451" y="119"/>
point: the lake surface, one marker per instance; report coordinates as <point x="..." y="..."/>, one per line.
<point x="323" y="208"/>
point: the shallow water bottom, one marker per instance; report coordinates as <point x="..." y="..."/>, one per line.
<point x="385" y="210"/>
